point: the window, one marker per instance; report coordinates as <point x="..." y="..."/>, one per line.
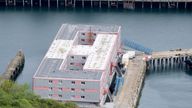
<point x="60" y="81"/>
<point x="71" y="63"/>
<point x="82" y="96"/>
<point x="73" y="82"/>
<point x="50" y="81"/>
<point x="60" y="95"/>
<point x="84" y="57"/>
<point x="72" y="57"/>
<point x="50" y="95"/>
<point x="73" y="96"/>
<point x="72" y="89"/>
<point x="50" y="88"/>
<point x="60" y="89"/>
<point x="83" y="40"/>
<point x="82" y="82"/>
<point x="82" y="90"/>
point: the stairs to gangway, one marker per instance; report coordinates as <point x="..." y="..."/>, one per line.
<point x="138" y="47"/>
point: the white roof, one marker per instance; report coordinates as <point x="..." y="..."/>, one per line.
<point x="102" y="48"/>
<point x="59" y="49"/>
<point x="98" y="53"/>
<point x="81" y="50"/>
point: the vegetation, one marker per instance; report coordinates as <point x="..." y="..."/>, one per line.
<point x="13" y="95"/>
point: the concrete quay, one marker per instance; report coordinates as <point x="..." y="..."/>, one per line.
<point x="128" y="96"/>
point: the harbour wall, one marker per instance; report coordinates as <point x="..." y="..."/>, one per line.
<point x="14" y="68"/>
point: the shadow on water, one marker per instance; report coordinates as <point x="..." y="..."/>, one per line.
<point x="188" y="71"/>
<point x="182" y="67"/>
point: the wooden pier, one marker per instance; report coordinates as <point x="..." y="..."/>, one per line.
<point x="122" y="4"/>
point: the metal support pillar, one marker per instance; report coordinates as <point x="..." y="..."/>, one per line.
<point x="108" y="3"/>
<point x="39" y="3"/>
<point x="74" y="3"/>
<point x="48" y="3"/>
<point x="23" y="3"/>
<point x="65" y="3"/>
<point x="159" y="5"/>
<point x="91" y="3"/>
<point x="117" y="4"/>
<point x="57" y="3"/>
<point x="31" y="3"/>
<point x="156" y="63"/>
<point x="172" y="62"/>
<point x="5" y="2"/>
<point x="185" y="5"/>
<point x="14" y="2"/>
<point x="164" y="63"/>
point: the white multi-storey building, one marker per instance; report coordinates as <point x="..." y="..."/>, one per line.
<point x="79" y="64"/>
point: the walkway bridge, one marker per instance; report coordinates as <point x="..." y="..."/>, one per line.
<point x="138" y="47"/>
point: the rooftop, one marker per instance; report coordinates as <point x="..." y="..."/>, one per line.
<point x="65" y="43"/>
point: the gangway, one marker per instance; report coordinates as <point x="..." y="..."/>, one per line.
<point x="138" y="47"/>
<point x="119" y="79"/>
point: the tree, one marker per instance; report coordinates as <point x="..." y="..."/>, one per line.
<point x="13" y="95"/>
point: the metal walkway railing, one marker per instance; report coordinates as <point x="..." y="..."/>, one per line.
<point x="138" y="47"/>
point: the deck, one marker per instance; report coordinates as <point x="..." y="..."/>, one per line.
<point x="172" y="53"/>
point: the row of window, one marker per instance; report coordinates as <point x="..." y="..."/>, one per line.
<point x="73" y="96"/>
<point x="73" y="82"/>
<point x="60" y="95"/>
<point x="81" y="64"/>
<point x="51" y="81"/>
<point x="93" y="34"/>
<point x="60" y="81"/>
<point x="72" y="57"/>
<point x="61" y="89"/>
<point x="83" y="40"/>
<point x="74" y="69"/>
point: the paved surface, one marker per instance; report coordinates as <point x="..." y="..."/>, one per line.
<point x="127" y="97"/>
<point x="172" y="53"/>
